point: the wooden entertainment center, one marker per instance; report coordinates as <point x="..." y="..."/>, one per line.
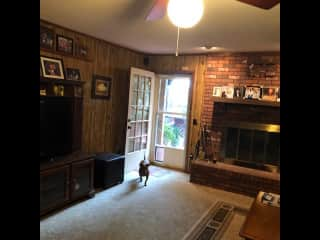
<point x="64" y="179"/>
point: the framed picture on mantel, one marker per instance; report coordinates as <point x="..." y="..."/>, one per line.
<point x="252" y="92"/>
<point x="269" y="93"/>
<point x="216" y="92"/>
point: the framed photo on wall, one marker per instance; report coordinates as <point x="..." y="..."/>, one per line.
<point x="81" y="51"/>
<point x="252" y="92"/>
<point x="64" y="44"/>
<point x="73" y="74"/>
<point x="52" y="67"/>
<point x="269" y="94"/>
<point x="216" y="92"/>
<point x="101" y="87"/>
<point x="46" y="37"/>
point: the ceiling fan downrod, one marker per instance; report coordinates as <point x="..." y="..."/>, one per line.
<point x="178" y="36"/>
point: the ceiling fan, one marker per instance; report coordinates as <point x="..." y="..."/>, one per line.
<point x="159" y="7"/>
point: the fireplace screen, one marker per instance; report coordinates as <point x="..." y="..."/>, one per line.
<point x="254" y="148"/>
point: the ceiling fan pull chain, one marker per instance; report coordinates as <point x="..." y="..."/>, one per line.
<point x="178" y="35"/>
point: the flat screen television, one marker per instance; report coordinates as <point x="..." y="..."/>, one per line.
<point x="55" y="126"/>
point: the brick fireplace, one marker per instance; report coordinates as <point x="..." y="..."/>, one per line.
<point x="250" y="122"/>
<point x="250" y="133"/>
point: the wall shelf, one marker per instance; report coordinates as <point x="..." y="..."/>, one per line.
<point x="246" y="102"/>
<point x="51" y="87"/>
<point x="65" y="54"/>
<point x="60" y="81"/>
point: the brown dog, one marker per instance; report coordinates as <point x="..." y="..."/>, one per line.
<point x="144" y="170"/>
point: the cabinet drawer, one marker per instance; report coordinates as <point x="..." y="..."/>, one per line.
<point x="81" y="178"/>
<point x="54" y="188"/>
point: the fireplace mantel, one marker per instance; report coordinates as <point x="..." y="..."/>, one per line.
<point x="246" y="102"/>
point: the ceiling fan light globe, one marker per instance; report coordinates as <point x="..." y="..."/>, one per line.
<point x="185" y="13"/>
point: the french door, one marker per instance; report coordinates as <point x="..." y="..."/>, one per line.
<point x="139" y="117"/>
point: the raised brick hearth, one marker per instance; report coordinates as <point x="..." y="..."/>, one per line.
<point x="233" y="178"/>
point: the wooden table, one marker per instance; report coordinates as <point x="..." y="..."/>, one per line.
<point x="262" y="222"/>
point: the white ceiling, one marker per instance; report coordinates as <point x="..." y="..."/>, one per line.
<point x="227" y="24"/>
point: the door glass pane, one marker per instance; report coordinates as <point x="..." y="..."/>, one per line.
<point x="146" y="98"/>
<point x="141" y="83"/>
<point x="133" y="113"/>
<point x="174" y="95"/>
<point x="135" y="82"/>
<point x="137" y="143"/>
<point x="139" y="113"/>
<point x="134" y="97"/>
<point x="148" y="84"/>
<point x="131" y="145"/>
<point x="173" y="130"/>
<point x="140" y="98"/>
<point x="144" y="128"/>
<point x="131" y="131"/>
<point x="143" y="142"/>
<point x="138" y="129"/>
<point x="146" y="113"/>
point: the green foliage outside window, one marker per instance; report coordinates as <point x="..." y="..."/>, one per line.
<point x="171" y="135"/>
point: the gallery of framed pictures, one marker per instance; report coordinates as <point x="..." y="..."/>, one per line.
<point x="51" y="41"/>
<point x="101" y="87"/>
<point x="255" y="92"/>
<point x="51" y="67"/>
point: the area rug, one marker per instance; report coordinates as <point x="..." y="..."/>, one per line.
<point x="221" y="221"/>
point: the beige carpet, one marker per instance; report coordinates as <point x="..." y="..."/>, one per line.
<point x="166" y="209"/>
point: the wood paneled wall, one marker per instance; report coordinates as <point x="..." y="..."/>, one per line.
<point x="104" y="121"/>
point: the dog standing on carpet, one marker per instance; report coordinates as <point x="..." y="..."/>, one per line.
<point x="144" y="170"/>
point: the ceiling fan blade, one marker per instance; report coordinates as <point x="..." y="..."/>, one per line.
<point x="158" y="10"/>
<point x="265" y="4"/>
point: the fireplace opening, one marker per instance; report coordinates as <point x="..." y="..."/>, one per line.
<point x="252" y="145"/>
